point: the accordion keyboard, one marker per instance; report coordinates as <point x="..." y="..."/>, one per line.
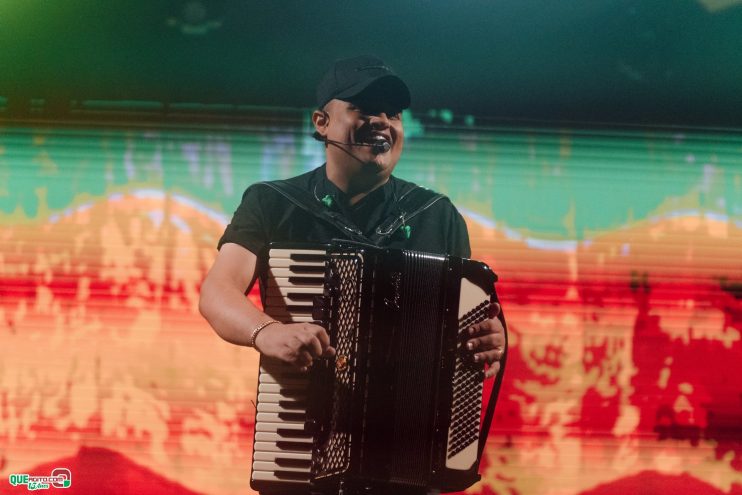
<point x="282" y="451"/>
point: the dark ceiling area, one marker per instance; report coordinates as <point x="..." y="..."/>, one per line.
<point x="676" y="62"/>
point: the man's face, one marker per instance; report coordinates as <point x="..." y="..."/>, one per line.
<point x="363" y="122"/>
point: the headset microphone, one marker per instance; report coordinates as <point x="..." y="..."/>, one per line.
<point x="377" y="148"/>
<point x="380" y="147"/>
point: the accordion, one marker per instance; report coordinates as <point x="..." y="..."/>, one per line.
<point x="400" y="404"/>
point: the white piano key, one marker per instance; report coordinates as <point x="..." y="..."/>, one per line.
<point x="278" y="408"/>
<point x="287" y="253"/>
<point x="274" y="417"/>
<point x="272" y="476"/>
<point x="284" y="396"/>
<point x="284" y="425"/>
<point x="285" y="318"/>
<point x="268" y="436"/>
<point x="284" y="391"/>
<point x="301" y="319"/>
<point x="280" y="312"/>
<point x="272" y="466"/>
<point x="276" y="398"/>
<point x="282" y="302"/>
<point x="276" y="291"/>
<point x="286" y="262"/>
<point x="296" y="272"/>
<point x="295" y="284"/>
<point x="291" y="296"/>
<point x="294" y="380"/>
<point x="276" y="365"/>
<point x="273" y="447"/>
<point x="289" y="380"/>
<point x="272" y="456"/>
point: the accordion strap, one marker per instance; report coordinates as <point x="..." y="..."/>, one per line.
<point x="414" y="201"/>
<point x="492" y="402"/>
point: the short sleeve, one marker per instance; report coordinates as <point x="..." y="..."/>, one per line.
<point x="247" y="227"/>
<point x="459" y="236"/>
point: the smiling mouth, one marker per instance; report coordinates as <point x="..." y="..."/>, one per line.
<point x="376" y="140"/>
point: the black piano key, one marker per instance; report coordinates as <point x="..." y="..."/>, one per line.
<point x="297" y="310"/>
<point x="300" y="296"/>
<point x="294" y="446"/>
<point x="307" y="269"/>
<point x="291" y="433"/>
<point x="292" y="463"/>
<point x="292" y="475"/>
<point x="293" y="404"/>
<point x="311" y="257"/>
<point x="314" y="281"/>
<point x="292" y="417"/>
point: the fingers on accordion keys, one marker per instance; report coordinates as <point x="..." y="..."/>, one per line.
<point x="321" y="308"/>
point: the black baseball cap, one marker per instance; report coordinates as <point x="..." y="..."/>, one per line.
<point x="363" y="77"/>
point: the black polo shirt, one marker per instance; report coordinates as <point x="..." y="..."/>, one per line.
<point x="386" y="217"/>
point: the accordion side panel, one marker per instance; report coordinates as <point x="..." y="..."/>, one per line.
<point x="463" y="433"/>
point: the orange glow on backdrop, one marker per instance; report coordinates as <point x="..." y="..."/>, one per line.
<point x="625" y="329"/>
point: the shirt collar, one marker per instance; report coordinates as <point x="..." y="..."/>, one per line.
<point x="324" y="187"/>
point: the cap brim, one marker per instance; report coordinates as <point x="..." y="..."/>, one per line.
<point x="387" y="88"/>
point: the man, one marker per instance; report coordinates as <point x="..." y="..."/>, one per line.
<point x="353" y="196"/>
<point x="359" y="118"/>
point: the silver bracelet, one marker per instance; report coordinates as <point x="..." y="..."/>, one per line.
<point x="256" y="331"/>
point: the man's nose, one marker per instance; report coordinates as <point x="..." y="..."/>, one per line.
<point x="379" y="120"/>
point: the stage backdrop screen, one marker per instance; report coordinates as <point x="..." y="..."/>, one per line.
<point x="619" y="253"/>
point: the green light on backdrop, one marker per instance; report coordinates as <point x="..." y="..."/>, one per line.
<point x="412" y="127"/>
<point x="446" y="116"/>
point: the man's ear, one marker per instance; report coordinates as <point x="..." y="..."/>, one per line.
<point x="321" y="120"/>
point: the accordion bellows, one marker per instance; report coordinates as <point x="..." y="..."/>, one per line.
<point x="400" y="403"/>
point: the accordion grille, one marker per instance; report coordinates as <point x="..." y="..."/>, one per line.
<point x="467" y="388"/>
<point x="334" y="455"/>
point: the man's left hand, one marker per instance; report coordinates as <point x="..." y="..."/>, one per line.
<point x="486" y="342"/>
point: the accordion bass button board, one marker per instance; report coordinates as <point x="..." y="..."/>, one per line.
<point x="401" y="403"/>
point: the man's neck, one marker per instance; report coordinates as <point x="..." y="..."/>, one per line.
<point x="356" y="184"/>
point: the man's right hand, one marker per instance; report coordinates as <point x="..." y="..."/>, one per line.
<point x="294" y="343"/>
<point x="233" y="316"/>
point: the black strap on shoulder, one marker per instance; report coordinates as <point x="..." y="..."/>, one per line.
<point x="414" y="201"/>
<point x="304" y="200"/>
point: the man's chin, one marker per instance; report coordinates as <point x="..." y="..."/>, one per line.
<point x="367" y="162"/>
<point x="380" y="164"/>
